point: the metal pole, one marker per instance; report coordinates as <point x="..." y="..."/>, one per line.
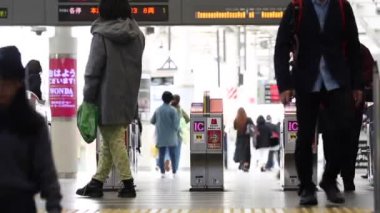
<point x="376" y="147"/>
<point x="218" y="54"/>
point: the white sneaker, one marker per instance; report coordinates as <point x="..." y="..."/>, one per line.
<point x="174" y="175"/>
<point x="162" y="175"/>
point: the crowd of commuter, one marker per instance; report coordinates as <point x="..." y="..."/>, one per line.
<point x="328" y="74"/>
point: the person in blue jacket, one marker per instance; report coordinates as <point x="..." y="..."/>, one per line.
<point x="166" y="120"/>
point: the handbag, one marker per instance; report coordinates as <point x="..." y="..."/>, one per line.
<point x="87" y="121"/>
<point x="250" y="130"/>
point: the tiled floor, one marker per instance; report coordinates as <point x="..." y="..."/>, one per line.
<point x="244" y="192"/>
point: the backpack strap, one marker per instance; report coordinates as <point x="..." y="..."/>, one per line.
<point x="342" y="8"/>
<point x="298" y="13"/>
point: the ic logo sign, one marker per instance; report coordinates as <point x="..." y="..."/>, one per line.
<point x="292" y="126"/>
<point x="199" y="126"/>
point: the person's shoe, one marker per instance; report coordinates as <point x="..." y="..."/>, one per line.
<point x="128" y="190"/>
<point x="349" y="186"/>
<point x="93" y="189"/>
<point x="308" y="197"/>
<point x="332" y="192"/>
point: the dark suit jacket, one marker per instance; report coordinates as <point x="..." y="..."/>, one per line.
<point x="313" y="43"/>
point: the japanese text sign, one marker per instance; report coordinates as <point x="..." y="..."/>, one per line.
<point x="63" y="87"/>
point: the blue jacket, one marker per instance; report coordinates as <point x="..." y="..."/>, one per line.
<point x="166" y="120"/>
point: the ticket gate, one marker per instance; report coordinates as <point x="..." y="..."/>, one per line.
<point x="206" y="152"/>
<point x="288" y="173"/>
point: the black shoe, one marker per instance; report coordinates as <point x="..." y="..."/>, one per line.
<point x="332" y="192"/>
<point x="128" y="190"/>
<point x="349" y="186"/>
<point x="93" y="189"/>
<point x="308" y="197"/>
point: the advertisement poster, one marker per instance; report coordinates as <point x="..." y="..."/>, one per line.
<point x="63" y="87"/>
<point x="214" y="139"/>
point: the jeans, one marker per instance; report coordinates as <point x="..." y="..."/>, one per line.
<point x="161" y="157"/>
<point x="178" y="154"/>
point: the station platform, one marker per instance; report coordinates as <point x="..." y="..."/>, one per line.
<point x="244" y="192"/>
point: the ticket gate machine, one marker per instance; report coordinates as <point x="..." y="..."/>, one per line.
<point x="206" y="152"/>
<point x="288" y="172"/>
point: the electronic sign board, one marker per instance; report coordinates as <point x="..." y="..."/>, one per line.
<point x="146" y="12"/>
<point x="97" y="1"/>
<point x="225" y="12"/>
<point x="88" y="13"/>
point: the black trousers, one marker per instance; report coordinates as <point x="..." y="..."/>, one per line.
<point x="339" y="108"/>
<point x="17" y="203"/>
<point x="351" y="146"/>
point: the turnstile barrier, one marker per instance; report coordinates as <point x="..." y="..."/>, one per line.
<point x="206" y="151"/>
<point x="288" y="173"/>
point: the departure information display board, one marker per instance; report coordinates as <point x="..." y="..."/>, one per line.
<point x="146" y="12"/>
<point x="260" y="12"/>
<point x="92" y="1"/>
<point x="88" y="13"/>
<point x="82" y="11"/>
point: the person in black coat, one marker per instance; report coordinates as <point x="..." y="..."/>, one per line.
<point x="243" y="126"/>
<point x="33" y="79"/>
<point x="326" y="70"/>
<point x="26" y="161"/>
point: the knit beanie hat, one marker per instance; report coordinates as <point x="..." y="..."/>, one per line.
<point x="10" y="64"/>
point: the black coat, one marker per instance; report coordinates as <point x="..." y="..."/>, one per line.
<point x="243" y="146"/>
<point x="263" y="136"/>
<point x="26" y="161"/>
<point x="313" y="43"/>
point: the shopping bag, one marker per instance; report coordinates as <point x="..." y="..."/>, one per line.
<point x="87" y="121"/>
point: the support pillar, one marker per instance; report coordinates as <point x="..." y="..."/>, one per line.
<point x="63" y="101"/>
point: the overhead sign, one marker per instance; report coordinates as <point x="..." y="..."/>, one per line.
<point x="88" y="13"/>
<point x="146" y="12"/>
<point x="260" y="12"/>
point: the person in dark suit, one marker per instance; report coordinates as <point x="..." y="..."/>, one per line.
<point x="348" y="167"/>
<point x="326" y="70"/>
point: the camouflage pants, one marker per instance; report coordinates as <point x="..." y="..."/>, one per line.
<point x="113" y="152"/>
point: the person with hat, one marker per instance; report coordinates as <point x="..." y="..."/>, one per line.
<point x="26" y="160"/>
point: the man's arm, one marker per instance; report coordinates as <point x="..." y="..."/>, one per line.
<point x="94" y="69"/>
<point x="282" y="50"/>
<point x="353" y="49"/>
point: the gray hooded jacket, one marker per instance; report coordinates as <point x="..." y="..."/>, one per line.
<point x="113" y="71"/>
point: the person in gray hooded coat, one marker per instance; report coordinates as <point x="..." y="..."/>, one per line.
<point x="112" y="82"/>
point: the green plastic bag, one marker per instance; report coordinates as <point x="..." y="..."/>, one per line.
<point x="87" y="121"/>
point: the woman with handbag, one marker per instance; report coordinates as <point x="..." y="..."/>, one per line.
<point x="244" y="128"/>
<point x="112" y="82"/>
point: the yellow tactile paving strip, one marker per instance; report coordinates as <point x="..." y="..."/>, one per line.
<point x="232" y="210"/>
